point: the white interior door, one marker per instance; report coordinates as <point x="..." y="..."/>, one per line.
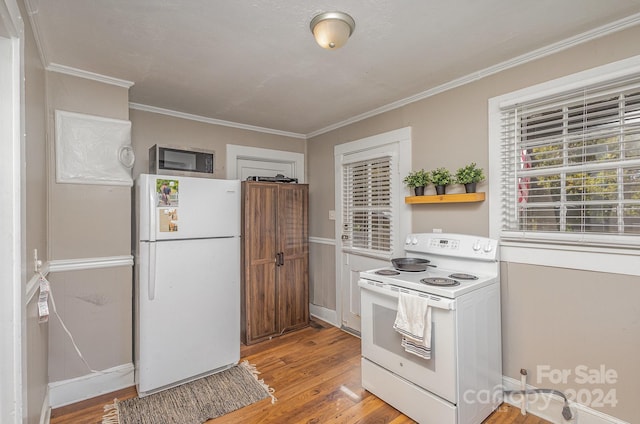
<point x="247" y="161"/>
<point x="352" y="265"/>
<point x="354" y="256"/>
<point x="254" y="167"/>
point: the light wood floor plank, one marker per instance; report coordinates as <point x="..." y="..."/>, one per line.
<point x="316" y="376"/>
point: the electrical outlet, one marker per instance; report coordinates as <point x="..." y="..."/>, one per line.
<point x="437" y="230"/>
<point x="332" y="215"/>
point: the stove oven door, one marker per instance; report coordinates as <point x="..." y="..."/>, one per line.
<point x="381" y="344"/>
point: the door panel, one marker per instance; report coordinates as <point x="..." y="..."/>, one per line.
<point x="260" y="250"/>
<point x="352" y="266"/>
<point x="293" y="274"/>
<point x="258" y="221"/>
<point x="293" y="293"/>
<point x="396" y="145"/>
<point x="191" y="319"/>
<point x="261" y="294"/>
<point x="293" y="225"/>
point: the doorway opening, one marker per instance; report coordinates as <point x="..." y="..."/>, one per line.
<point x="371" y="216"/>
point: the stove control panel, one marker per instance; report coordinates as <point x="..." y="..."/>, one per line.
<point x="440" y="243"/>
<point x="457" y="245"/>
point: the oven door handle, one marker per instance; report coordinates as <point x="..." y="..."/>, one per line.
<point x="393" y="291"/>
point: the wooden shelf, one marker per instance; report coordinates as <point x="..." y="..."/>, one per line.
<point x="446" y="198"/>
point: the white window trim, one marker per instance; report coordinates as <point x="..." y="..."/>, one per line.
<point x="612" y="258"/>
<point x="393" y="143"/>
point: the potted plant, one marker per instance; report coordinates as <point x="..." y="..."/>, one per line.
<point x="441" y="177"/>
<point x="469" y="175"/>
<point x="417" y="180"/>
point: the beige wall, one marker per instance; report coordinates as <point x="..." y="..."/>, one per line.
<point x="88" y="221"/>
<point x="450" y="129"/>
<point x="96" y="307"/>
<point x="152" y="128"/>
<point x="92" y="221"/>
<point x="322" y="268"/>
<point x="560" y="319"/>
<point x="35" y="186"/>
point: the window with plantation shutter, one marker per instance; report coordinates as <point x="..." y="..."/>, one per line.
<point x="367" y="206"/>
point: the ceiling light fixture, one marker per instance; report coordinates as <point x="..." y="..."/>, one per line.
<point x="332" y="29"/>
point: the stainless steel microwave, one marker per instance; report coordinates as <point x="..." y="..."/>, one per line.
<point x="189" y="162"/>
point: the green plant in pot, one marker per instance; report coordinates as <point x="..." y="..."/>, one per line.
<point x="469" y="175"/>
<point x="441" y="178"/>
<point x="417" y="180"/>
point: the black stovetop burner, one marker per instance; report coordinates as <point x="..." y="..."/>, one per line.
<point x="463" y="276"/>
<point x="440" y="281"/>
<point x="387" y="272"/>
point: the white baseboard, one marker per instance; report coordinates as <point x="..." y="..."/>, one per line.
<point x="74" y="390"/>
<point x="327" y="315"/>
<point x="549" y="407"/>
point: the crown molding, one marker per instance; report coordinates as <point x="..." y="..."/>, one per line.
<point x="68" y="70"/>
<point x="183" y="115"/>
<point x="602" y="31"/>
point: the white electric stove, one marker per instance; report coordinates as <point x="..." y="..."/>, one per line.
<point x="461" y="382"/>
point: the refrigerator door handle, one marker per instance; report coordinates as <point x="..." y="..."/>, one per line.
<point x="152" y="271"/>
<point x="153" y="200"/>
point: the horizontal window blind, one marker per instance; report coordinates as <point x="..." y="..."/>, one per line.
<point x="367" y="206"/>
<point x="571" y="163"/>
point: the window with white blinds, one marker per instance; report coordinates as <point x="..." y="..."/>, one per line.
<point x="571" y="164"/>
<point x="367" y="206"/>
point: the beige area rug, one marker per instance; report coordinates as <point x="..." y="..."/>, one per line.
<point x="194" y="402"/>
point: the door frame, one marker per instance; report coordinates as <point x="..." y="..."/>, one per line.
<point x="235" y="152"/>
<point x="401" y="138"/>
<point x="12" y="229"/>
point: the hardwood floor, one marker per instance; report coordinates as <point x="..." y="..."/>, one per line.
<point x="316" y="376"/>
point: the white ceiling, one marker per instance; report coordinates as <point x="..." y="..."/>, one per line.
<point x="256" y="63"/>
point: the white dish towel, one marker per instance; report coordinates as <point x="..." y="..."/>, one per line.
<point x="413" y="321"/>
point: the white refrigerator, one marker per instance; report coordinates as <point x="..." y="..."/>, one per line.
<point x="187" y="279"/>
